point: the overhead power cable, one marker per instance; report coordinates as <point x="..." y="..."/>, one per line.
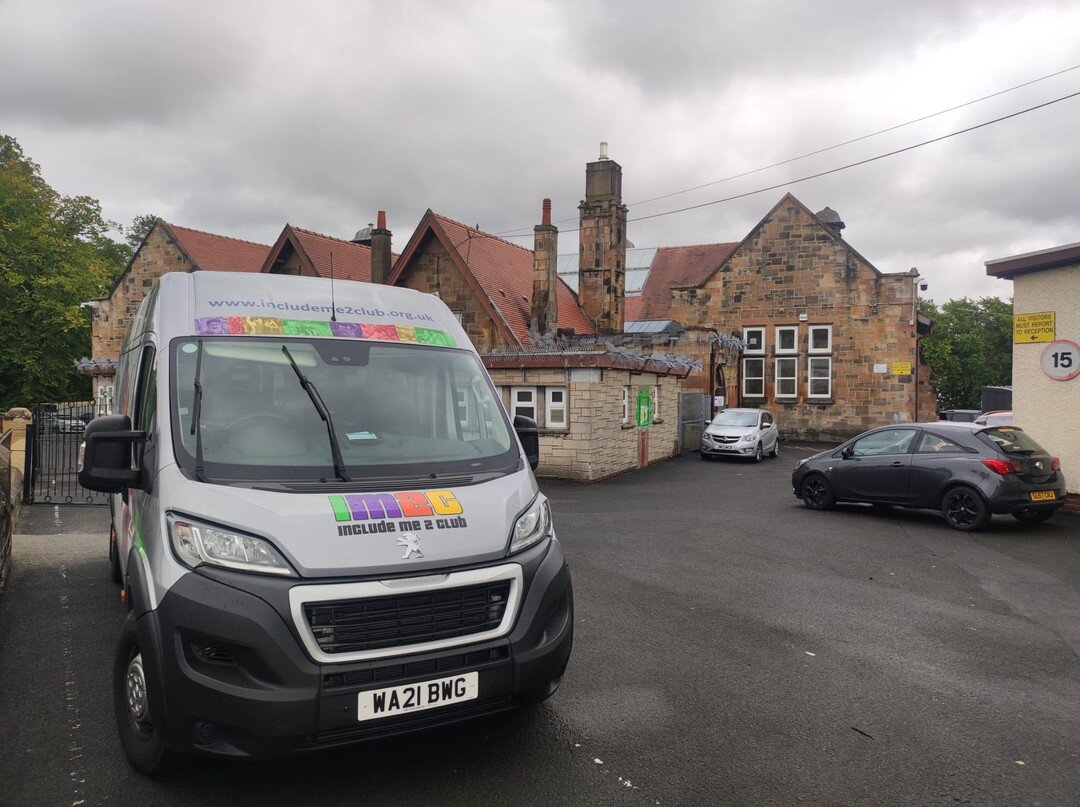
<point x="855" y="164"/>
<point x="822" y="150"/>
<point x="859" y="162"/>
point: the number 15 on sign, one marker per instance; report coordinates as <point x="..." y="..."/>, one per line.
<point x="1061" y="360"/>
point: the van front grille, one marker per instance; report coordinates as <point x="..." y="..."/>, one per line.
<point x="374" y="623"/>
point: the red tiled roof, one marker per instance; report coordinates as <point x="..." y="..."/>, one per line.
<point x="351" y="261"/>
<point x="505" y="272"/>
<point x="675" y="266"/>
<point x="218" y="252"/>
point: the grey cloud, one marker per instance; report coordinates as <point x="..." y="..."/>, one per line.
<point x="703" y="44"/>
<point x="105" y="63"/>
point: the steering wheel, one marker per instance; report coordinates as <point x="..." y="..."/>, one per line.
<point x="235" y="424"/>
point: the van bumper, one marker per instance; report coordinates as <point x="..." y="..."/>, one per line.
<point x="228" y="675"/>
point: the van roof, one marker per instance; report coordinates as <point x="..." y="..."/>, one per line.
<point x="228" y="303"/>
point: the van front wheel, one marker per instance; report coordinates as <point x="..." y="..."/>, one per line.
<point x="142" y="743"/>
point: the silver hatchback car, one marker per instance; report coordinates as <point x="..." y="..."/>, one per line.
<point x="748" y="433"/>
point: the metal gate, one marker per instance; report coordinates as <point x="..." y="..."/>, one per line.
<point x="693" y="412"/>
<point x="52" y="457"/>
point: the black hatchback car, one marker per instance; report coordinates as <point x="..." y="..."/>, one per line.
<point x="965" y="470"/>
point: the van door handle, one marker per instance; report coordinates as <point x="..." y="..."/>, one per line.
<point x="897" y="464"/>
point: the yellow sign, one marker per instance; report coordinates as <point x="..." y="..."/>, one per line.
<point x="901" y="368"/>
<point x="1032" y="328"/>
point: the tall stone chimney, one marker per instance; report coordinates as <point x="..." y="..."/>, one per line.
<point x="545" y="300"/>
<point x="602" y="264"/>
<point x="380" y="250"/>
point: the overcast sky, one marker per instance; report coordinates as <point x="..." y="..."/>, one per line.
<point x="237" y="117"/>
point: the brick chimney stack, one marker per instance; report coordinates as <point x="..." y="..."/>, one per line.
<point x="380" y="250"/>
<point x="602" y="264"/>
<point x="545" y="302"/>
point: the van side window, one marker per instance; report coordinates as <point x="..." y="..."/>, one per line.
<point x="146" y="393"/>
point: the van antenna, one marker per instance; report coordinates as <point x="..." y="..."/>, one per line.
<point x="333" y="305"/>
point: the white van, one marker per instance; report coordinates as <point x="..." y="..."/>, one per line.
<point x="325" y="527"/>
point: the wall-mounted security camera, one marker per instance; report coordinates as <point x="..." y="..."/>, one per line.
<point x="924" y="286"/>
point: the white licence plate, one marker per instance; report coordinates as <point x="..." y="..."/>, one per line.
<point x="377" y="703"/>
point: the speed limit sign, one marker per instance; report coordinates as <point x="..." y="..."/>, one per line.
<point x="1061" y="360"/>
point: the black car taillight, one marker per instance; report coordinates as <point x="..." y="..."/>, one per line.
<point x="1002" y="467"/>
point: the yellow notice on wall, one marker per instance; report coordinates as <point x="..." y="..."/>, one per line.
<point x="1033" y="328"/>
<point x="901" y="368"/>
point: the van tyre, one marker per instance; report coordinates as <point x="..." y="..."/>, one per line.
<point x="141" y="741"/>
<point x="964" y="509"/>
<point x="817" y="493"/>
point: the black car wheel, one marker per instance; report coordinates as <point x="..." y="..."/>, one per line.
<point x="964" y="509"/>
<point x="141" y="741"/>
<point x="817" y="492"/>
<point x="1033" y="516"/>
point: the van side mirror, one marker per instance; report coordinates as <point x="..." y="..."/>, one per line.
<point x="108" y="465"/>
<point x="529" y="436"/>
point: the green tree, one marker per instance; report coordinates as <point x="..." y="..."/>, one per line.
<point x="969" y="347"/>
<point x="55" y="253"/>
<point x="139" y="228"/>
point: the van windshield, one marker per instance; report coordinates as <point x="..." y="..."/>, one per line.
<point x="397" y="410"/>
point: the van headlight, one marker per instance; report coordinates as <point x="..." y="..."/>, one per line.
<point x="532" y="526"/>
<point x="196" y="543"/>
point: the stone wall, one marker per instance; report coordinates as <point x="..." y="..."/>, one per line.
<point x="431" y="265"/>
<point x="13" y="426"/>
<point x="596" y="443"/>
<point x="794" y="271"/>
<point x="157" y="256"/>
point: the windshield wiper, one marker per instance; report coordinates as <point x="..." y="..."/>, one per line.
<point x="200" y="470"/>
<point x="324" y="413"/>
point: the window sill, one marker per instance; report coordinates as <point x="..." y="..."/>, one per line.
<point x="657" y="421"/>
<point x="552" y="431"/>
<point x="626" y="426"/>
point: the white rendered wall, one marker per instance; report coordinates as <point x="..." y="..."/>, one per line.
<point x="1049" y="410"/>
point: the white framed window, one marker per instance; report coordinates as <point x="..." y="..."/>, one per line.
<point x="753" y="341"/>
<point x="819" y="377"/>
<point x="820" y="339"/>
<point x="786" y="378"/>
<point x="457" y="316"/>
<point x="626" y="404"/>
<point x="522" y="402"/>
<point x="555" y="407"/>
<point x="656" y="402"/>
<point x="787" y="339"/>
<point x="753" y="378"/>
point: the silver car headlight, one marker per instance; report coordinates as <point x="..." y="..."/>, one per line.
<point x="197" y="543"/>
<point x="533" y="526"/>
<point x="748" y="438"/>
